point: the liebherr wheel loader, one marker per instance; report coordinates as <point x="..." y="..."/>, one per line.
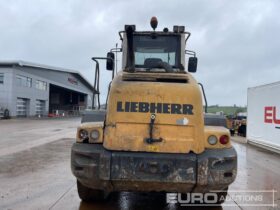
<point x="155" y="135"/>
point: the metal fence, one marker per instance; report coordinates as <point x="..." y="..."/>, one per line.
<point x="67" y="110"/>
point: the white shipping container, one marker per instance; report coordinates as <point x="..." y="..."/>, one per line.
<point x="263" y="121"/>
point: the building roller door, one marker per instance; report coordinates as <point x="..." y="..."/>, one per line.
<point x="22" y="107"/>
<point x="40" y="107"/>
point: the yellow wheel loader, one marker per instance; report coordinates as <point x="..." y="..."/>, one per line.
<point x="154" y="134"/>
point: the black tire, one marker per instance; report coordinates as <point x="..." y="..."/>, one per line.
<point x="87" y="194"/>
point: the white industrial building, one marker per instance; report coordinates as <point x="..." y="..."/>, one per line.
<point x="29" y="89"/>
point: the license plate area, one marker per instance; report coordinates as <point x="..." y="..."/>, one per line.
<point x="158" y="167"/>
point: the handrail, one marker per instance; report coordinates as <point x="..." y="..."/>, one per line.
<point x="205" y="100"/>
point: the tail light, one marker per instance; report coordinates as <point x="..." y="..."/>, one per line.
<point x="224" y="139"/>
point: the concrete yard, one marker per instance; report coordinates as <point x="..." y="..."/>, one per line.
<point x="35" y="171"/>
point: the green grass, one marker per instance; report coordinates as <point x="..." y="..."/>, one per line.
<point x="228" y="110"/>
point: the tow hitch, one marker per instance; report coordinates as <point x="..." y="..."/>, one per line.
<point x="151" y="140"/>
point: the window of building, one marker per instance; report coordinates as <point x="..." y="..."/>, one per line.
<point x="24" y="81"/>
<point x="1" y="78"/>
<point x="41" y="85"/>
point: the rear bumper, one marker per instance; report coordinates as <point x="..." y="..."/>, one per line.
<point x="98" y="168"/>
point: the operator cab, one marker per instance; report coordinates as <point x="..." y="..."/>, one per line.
<point x="155" y="51"/>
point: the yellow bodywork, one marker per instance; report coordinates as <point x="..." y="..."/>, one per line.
<point x="127" y="131"/>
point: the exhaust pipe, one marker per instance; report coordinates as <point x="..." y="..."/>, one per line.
<point x="130" y="64"/>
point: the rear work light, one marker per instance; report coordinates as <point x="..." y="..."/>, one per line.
<point x="83" y="134"/>
<point x="212" y="140"/>
<point x="94" y="135"/>
<point x="224" y="139"/>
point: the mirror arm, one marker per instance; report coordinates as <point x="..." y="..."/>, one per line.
<point x="190" y="52"/>
<point x="189" y="34"/>
<point x="100" y="58"/>
<point x="120" y="34"/>
<point x="116" y="50"/>
<point x="96" y="80"/>
<point x="104" y="58"/>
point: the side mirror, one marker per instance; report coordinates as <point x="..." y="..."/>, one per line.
<point x="110" y="61"/>
<point x="192" y="64"/>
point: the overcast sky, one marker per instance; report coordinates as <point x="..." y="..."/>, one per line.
<point x="237" y="42"/>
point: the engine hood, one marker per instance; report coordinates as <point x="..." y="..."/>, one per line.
<point x="174" y="99"/>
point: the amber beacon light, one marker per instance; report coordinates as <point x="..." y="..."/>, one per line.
<point x="154" y="22"/>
